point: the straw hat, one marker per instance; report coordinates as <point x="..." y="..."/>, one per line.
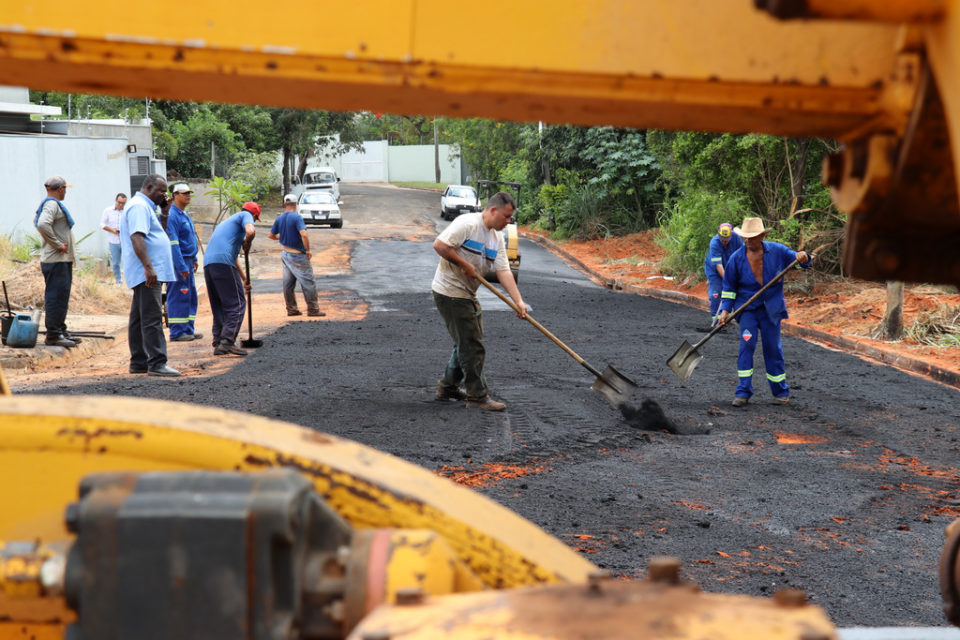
<point x="752" y="227"/>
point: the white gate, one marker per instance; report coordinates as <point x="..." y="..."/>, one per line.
<point x="369" y="165"/>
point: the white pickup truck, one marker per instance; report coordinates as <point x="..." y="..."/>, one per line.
<point x="322" y="179"/>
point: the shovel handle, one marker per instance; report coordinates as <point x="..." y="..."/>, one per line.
<point x="246" y="262"/>
<point x="746" y="304"/>
<point x="544" y="330"/>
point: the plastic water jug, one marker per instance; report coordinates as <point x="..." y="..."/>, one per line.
<point x="23" y="331"/>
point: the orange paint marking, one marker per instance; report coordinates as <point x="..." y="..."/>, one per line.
<point x="798" y="438"/>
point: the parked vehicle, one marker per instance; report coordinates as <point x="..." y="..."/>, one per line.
<point x="457" y="199"/>
<point x="320" y="207"/>
<point x="322" y="179"/>
<point x="511" y="239"/>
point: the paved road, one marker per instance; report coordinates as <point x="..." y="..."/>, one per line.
<point x="844" y="493"/>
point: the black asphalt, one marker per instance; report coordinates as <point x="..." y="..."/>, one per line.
<point x="845" y="492"/>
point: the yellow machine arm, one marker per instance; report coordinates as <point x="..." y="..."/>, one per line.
<point x="103" y="525"/>
<point x="883" y="76"/>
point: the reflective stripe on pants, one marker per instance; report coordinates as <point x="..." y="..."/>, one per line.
<point x="757" y="325"/>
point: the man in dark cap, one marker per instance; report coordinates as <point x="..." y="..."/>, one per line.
<point x="55" y="225"/>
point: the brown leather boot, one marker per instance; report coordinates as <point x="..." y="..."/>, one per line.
<point x="487" y="403"/>
<point x="449" y="393"/>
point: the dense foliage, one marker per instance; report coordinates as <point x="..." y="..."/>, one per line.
<point x="710" y="178"/>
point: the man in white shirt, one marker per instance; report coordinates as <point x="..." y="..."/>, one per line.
<point x="110" y="222"/>
<point x="472" y="244"/>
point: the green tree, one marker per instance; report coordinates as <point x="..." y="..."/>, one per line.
<point x="258" y="170"/>
<point x="197" y="137"/>
<point x="486" y="146"/>
<point x="774" y="178"/>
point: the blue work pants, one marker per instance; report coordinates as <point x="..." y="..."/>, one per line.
<point x="58" y="280"/>
<point x="757" y="325"/>
<point x="227" y="301"/>
<point x="182" y="304"/>
<point x="714" y="287"/>
<point x="297" y="268"/>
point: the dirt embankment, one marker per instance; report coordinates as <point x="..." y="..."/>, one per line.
<point x="840" y="306"/>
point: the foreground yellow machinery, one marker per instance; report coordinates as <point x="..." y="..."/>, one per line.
<point x="126" y="518"/>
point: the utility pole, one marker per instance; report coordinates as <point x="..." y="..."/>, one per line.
<point x="213" y="161"/>
<point x="436" y="150"/>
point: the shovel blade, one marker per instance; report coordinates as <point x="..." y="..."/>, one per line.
<point x="614" y="386"/>
<point x="684" y="360"/>
<point x="253" y="343"/>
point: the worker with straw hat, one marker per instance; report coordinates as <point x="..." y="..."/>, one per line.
<point x="748" y="269"/>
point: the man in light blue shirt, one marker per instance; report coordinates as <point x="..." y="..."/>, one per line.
<point x="147" y="262"/>
<point x="226" y="283"/>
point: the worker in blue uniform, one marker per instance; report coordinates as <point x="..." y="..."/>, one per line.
<point x="748" y="269"/>
<point x="721" y="248"/>
<point x="182" y="294"/>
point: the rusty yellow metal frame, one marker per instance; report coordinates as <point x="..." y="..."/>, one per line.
<point x="614" y="610"/>
<point x="47" y="443"/>
<point x="702" y="64"/>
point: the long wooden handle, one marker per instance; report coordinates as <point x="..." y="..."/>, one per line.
<point x="544" y="330"/>
<point x="246" y="261"/>
<point x="746" y="304"/>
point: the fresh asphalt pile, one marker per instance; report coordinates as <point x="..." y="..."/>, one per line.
<point x="844" y="492"/>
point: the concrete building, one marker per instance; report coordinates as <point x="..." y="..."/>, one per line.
<point x="99" y="158"/>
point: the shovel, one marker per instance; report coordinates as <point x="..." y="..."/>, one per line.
<point x="615" y="387"/>
<point x="249" y="343"/>
<point x="687" y="357"/>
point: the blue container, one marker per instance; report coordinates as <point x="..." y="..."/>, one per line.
<point x="23" y="331"/>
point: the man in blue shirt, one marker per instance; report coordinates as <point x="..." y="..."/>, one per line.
<point x="147" y="263"/>
<point x="291" y="231"/>
<point x="226" y="284"/>
<point x="182" y="294"/>
<point x="747" y="271"/>
<point x="721" y="248"/>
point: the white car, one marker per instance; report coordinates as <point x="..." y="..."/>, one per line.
<point x="457" y="199"/>
<point x="322" y="179"/>
<point x="320" y="207"/>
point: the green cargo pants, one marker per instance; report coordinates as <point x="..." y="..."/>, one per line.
<point x="464" y="320"/>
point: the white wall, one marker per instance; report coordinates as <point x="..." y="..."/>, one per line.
<point x="417" y="163"/>
<point x="96" y="167"/>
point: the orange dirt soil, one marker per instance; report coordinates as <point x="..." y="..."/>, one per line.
<point x="839" y="306"/>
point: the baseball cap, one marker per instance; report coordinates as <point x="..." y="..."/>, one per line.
<point x="181" y="187"/>
<point x="289" y="198"/>
<point x="55" y="182"/>
<point x="253" y="208"/>
<point x="725" y="230"/>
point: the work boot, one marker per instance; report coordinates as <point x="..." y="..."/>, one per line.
<point x="316" y="313"/>
<point x="72" y="338"/>
<point x="228" y="348"/>
<point x="487" y="403"/>
<point x="57" y="340"/>
<point x="781" y="399"/>
<point x="197" y="335"/>
<point x="294" y="312"/>
<point x="449" y="393"/>
<point x="184" y="337"/>
<point x="739" y="401"/>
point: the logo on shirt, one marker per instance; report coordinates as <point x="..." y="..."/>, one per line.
<point x="746" y="335"/>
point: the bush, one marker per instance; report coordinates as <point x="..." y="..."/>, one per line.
<point x="690" y="225"/>
<point x="259" y="171"/>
